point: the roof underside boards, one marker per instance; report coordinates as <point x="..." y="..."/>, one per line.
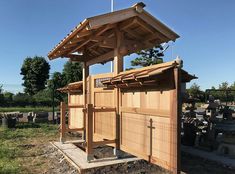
<point x="95" y="37"/>
<point x="72" y="87"/>
<point x="150" y="75"/>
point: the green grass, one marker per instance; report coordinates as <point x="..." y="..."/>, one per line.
<point x="21" y="149"/>
<point x="27" y="109"/>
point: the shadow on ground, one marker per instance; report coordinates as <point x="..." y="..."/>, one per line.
<point x="196" y="165"/>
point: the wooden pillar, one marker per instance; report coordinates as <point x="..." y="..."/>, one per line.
<point x="85" y="74"/>
<point x="62" y="121"/>
<point x="89" y="132"/>
<point x="118" y="67"/>
<point x="176" y="121"/>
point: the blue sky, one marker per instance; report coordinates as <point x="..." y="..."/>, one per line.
<point x="207" y="42"/>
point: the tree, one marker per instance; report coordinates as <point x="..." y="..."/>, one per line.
<point x="35" y="73"/>
<point x="43" y="98"/>
<point x="149" y="57"/>
<point x="8" y="98"/>
<point x="196" y="92"/>
<point x="72" y="72"/>
<point x="22" y="99"/>
<point x="56" y="81"/>
<point x="1" y="96"/>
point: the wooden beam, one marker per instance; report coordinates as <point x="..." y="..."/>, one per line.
<point x="157" y="25"/>
<point x="108" y="43"/>
<point x="146" y="111"/>
<point x="105" y="142"/>
<point x="75" y="58"/>
<point x="145" y="26"/>
<point x="133" y="34"/>
<point x="75" y="106"/>
<point x="80" y="46"/>
<point x="126" y="24"/>
<point x="104" y="109"/>
<point x="102" y="58"/>
<point x="109" y="18"/>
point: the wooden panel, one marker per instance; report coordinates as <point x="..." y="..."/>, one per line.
<point x="76" y="114"/>
<point x="104" y="112"/>
<point x="138" y="107"/>
<point x="159" y="100"/>
<point x="104" y="124"/>
<point x="104" y="98"/>
<point x="76" y="118"/>
<point x="135" y="137"/>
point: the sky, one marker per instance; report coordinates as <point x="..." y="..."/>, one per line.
<point x="206" y="29"/>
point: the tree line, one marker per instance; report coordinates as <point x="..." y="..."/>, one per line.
<point x="39" y="86"/>
<point x="224" y="92"/>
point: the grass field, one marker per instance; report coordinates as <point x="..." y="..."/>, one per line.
<point x="27" y="109"/>
<point x="21" y="149"/>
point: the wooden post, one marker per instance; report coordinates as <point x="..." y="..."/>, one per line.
<point x="151" y="138"/>
<point x="62" y="121"/>
<point x="85" y="74"/>
<point x="176" y="119"/>
<point x="118" y="67"/>
<point x="89" y="132"/>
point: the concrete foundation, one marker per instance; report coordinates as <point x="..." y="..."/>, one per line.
<point x="78" y="158"/>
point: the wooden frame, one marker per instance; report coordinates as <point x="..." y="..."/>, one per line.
<point x="137" y="111"/>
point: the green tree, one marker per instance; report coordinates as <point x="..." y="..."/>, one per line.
<point x="43" y="98"/>
<point x="72" y="72"/>
<point x="22" y="99"/>
<point x="8" y="98"/>
<point x="196" y="92"/>
<point x="35" y="73"/>
<point x="149" y="57"/>
<point x="56" y="81"/>
<point x="1" y="96"/>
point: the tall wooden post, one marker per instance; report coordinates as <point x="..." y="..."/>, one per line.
<point x="85" y="74"/>
<point x="62" y="121"/>
<point x="89" y="132"/>
<point x="176" y="119"/>
<point x="118" y="67"/>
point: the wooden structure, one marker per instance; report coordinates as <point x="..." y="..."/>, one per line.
<point x="137" y="111"/>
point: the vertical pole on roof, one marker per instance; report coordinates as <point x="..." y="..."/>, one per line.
<point x="112" y="7"/>
<point x="112" y="4"/>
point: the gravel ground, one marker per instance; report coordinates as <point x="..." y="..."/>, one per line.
<point x="190" y="164"/>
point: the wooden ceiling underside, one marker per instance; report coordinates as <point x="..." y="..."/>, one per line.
<point x="95" y="38"/>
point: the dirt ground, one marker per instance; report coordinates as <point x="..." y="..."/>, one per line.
<point x="190" y="165"/>
<point x="27" y="150"/>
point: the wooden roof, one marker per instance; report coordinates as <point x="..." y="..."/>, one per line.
<point x="72" y="87"/>
<point x="146" y="76"/>
<point x="94" y="39"/>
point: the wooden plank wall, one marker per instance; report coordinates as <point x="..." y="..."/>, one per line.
<point x="138" y="109"/>
<point x="104" y="122"/>
<point x="75" y="113"/>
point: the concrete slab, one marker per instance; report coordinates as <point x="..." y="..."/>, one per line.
<point x="212" y="156"/>
<point x="77" y="158"/>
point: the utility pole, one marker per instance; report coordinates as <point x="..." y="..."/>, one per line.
<point x="112" y="6"/>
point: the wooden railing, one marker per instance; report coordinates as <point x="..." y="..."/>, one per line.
<point x="63" y="127"/>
